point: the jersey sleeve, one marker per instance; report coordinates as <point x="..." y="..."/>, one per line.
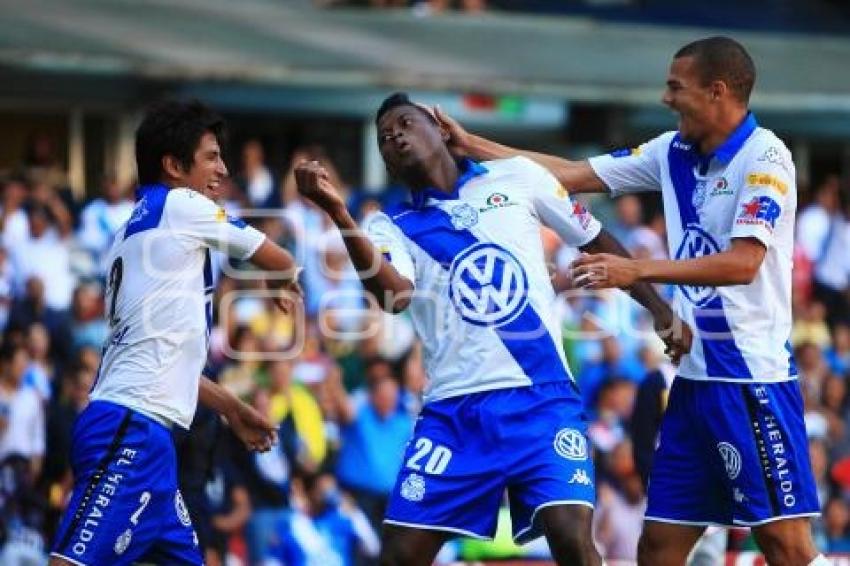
<point x="552" y="203"/>
<point x="389" y="241"/>
<point x="197" y="218"/>
<point x="767" y="185"/>
<point x="633" y="170"/>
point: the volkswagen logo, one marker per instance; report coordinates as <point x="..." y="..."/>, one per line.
<point x="487" y="285"/>
<point x="571" y="444"/>
<point x="696" y="242"/>
<point x="731" y="459"/>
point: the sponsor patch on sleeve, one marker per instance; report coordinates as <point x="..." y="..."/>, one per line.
<point x="767" y="180"/>
<point x="760" y="211"/>
<point x="627" y="151"/>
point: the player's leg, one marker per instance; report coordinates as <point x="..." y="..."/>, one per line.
<point x="568" y="530"/>
<point x="405" y="546"/>
<point x="667" y="544"/>
<point x="685" y="494"/>
<point x="787" y="542"/>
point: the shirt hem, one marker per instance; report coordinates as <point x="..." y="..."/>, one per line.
<point x="496" y="387"/>
<point x="741" y="379"/>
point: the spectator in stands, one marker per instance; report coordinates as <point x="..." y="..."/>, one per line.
<point x="324" y="528"/>
<point x="22" y="418"/>
<point x="101" y="218"/>
<point x="836" y="518"/>
<point x="621" y="503"/>
<point x="838" y="354"/>
<point x="375" y="427"/>
<point x="88" y="326"/>
<point x="14" y="224"/>
<point x="292" y="405"/>
<point x="40" y="371"/>
<point x="255" y="178"/>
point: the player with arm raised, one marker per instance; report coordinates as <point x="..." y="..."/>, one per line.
<point x="733" y="447"/>
<point x="126" y="505"/>
<point x="501" y="410"/>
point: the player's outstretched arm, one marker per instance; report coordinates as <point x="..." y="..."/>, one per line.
<point x="391" y="290"/>
<point x="577" y="176"/>
<point x="672" y="330"/>
<point x="273" y="258"/>
<point x="736" y="266"/>
<point x="252" y="428"/>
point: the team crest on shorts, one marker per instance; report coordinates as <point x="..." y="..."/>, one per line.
<point x="122" y="542"/>
<point x="571" y="444"/>
<point x="182" y="511"/>
<point x="413" y="487"/>
<point x="731" y="459"/>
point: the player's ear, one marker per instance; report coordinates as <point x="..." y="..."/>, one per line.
<point x="172" y="167"/>
<point x="718" y="89"/>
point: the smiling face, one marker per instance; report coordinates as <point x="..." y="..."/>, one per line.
<point x="208" y="169"/>
<point x="408" y="138"/>
<point x="693" y="101"/>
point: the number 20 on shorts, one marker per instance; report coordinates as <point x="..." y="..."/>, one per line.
<point x="438" y="457"/>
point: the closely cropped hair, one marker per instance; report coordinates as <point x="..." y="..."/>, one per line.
<point x="400" y="99"/>
<point x="173" y="128"/>
<point x="723" y="59"/>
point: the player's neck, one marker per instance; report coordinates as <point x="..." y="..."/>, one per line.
<point x="725" y="124"/>
<point x="442" y="176"/>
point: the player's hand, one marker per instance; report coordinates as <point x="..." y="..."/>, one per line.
<point x="676" y="335"/>
<point x="314" y="184"/>
<point x="603" y="271"/>
<point x="288" y="293"/>
<point x="252" y="428"/>
<point x="458" y="142"/>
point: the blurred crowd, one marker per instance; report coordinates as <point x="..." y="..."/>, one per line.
<point x="344" y="381"/>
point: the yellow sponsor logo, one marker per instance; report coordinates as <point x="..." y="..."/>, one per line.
<point x="766" y="180"/>
<point x="637" y="150"/>
<point x="562" y="192"/>
<point x="220" y="215"/>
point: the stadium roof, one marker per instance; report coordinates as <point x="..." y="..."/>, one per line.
<point x="278" y="43"/>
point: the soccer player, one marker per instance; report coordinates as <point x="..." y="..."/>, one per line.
<point x="501" y="409"/>
<point x="733" y="447"/>
<point x="126" y="506"/>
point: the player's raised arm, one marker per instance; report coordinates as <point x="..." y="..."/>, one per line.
<point x="390" y="289"/>
<point x="578" y="176"/>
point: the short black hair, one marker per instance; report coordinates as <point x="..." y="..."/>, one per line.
<point x="173" y="128"/>
<point x="398" y="99"/>
<point x="721" y="58"/>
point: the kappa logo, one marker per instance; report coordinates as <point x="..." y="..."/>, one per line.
<point x="463" y="216"/>
<point x="571" y="444"/>
<point x="696" y="242"/>
<point x="413" y="487"/>
<point x="773" y="155"/>
<point x="731" y="459"/>
<point x="581" y="477"/>
<point x="487" y="285"/>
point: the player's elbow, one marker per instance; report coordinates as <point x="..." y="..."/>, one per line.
<point x="744" y="272"/>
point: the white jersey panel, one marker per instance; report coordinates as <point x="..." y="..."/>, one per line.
<point x="159" y="301"/>
<point x="746" y="189"/>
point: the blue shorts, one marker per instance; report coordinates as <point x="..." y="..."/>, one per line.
<point x="126" y="506"/>
<point x="467" y="450"/>
<point x="732" y="454"/>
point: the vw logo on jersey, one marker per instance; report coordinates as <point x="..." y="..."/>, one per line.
<point x="487" y="285"/>
<point x="731" y="459"/>
<point x="696" y="242"/>
<point x="464" y="216"/>
<point x="571" y="444"/>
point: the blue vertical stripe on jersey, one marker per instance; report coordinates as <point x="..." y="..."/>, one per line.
<point x="792" y="363"/>
<point x="209" y="289"/>
<point x="526" y="336"/>
<point x="722" y="356"/>
<point x="150" y="204"/>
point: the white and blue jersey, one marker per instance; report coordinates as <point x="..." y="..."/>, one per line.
<point x="746" y="189"/>
<point x="732" y="446"/>
<point x="501" y="409"/>
<point x="483" y="297"/>
<point x="126" y="506"/>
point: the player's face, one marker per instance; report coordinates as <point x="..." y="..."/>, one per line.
<point x="208" y="170"/>
<point x="689" y="98"/>
<point x="408" y="138"/>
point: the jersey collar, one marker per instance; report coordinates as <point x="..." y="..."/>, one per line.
<point x="736" y="139"/>
<point x="142" y="190"/>
<point x="469" y="169"/>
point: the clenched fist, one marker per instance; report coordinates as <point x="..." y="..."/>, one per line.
<point x="314" y="184"/>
